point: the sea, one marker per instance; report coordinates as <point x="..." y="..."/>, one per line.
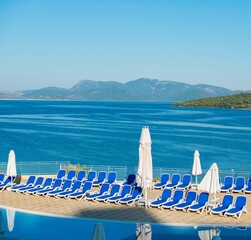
<point x="107" y="133"/>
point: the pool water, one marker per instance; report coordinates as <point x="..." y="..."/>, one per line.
<point x="21" y="225"/>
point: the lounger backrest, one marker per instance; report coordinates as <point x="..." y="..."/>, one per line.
<point x="240" y="182"/>
<point x="249" y="183"/>
<point x="67" y="184"/>
<point x="175" y="178"/>
<point x="227" y="200"/>
<point x="241" y="201"/>
<point x="104" y="188"/>
<point x="167" y="193"/>
<point x="2" y="175"/>
<point x="71" y="174"/>
<point x="115" y="189"/>
<point x="61" y="173"/>
<point x="101" y="176"/>
<point x="31" y="180"/>
<point x="187" y="179"/>
<point x="39" y="181"/>
<point x="57" y="183"/>
<point x="178" y="195"/>
<point x="203" y="198"/>
<point x="112" y="177"/>
<point x="76" y="185"/>
<point x="87" y="186"/>
<point x="130" y="179"/>
<point x="126" y="190"/>
<point x="81" y="175"/>
<point x="228" y="181"/>
<point x="91" y="175"/>
<point x="136" y="191"/>
<point x="47" y="182"/>
<point x="164" y="178"/>
<point x="191" y="196"/>
<point x="8" y="180"/>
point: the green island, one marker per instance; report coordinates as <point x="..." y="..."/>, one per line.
<point x="237" y="101"/>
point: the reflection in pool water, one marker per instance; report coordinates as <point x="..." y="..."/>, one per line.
<point x="21" y="225"/>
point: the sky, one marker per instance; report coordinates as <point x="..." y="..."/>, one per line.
<point x="60" y="42"/>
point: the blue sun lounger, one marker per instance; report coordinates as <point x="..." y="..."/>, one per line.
<point x="101" y="179"/>
<point x="228" y="184"/>
<point x="175" y="181"/>
<point x="2" y="176"/>
<point x="65" y="187"/>
<point x="91" y="176"/>
<point x="165" y="196"/>
<point x="248" y="187"/>
<point x="81" y="176"/>
<point x="29" y="182"/>
<point x="135" y="196"/>
<point x="6" y="183"/>
<point x="56" y="185"/>
<point x="164" y="180"/>
<point x="71" y="175"/>
<point x="113" y="192"/>
<point x="81" y="193"/>
<point x="201" y="204"/>
<point x="61" y="174"/>
<point x="130" y="179"/>
<point x="48" y="183"/>
<point x="239" y="207"/>
<point x="227" y="202"/>
<point x="103" y="190"/>
<point x="186" y="182"/>
<point x="176" y="199"/>
<point x="189" y="200"/>
<point x="38" y="183"/>
<point x="125" y="192"/>
<point x="239" y="185"/>
<point x="112" y="177"/>
<point x="75" y="187"/>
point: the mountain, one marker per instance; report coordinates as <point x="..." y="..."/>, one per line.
<point x="238" y="101"/>
<point x="142" y="89"/>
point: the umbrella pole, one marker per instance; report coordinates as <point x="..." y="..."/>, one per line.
<point x="146" y="203"/>
<point x="196" y="180"/>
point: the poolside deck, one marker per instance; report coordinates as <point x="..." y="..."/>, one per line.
<point x="89" y="209"/>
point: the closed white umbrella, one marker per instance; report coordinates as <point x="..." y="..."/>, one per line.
<point x="196" y="170"/>
<point x="210" y="183"/>
<point x="10" y="213"/>
<point x="11" y="167"/>
<point x="145" y="171"/>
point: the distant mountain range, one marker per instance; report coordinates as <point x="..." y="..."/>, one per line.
<point x="142" y="89"/>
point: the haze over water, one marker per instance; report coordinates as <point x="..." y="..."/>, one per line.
<point x="107" y="133"/>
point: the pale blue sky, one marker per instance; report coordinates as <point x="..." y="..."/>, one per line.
<point x="59" y="42"/>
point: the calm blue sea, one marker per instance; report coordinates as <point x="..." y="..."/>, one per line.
<point x="97" y="133"/>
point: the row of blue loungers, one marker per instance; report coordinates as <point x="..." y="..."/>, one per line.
<point x="237" y="185"/>
<point x="190" y="201"/>
<point x="80" y="186"/>
<point x="175" y="198"/>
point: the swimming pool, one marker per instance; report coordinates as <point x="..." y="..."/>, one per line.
<point x="15" y="224"/>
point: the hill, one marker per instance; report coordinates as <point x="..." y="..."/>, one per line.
<point x="238" y="101"/>
<point x="143" y="89"/>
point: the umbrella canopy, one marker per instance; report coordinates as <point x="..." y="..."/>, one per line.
<point x="210" y="183"/>
<point x="11" y="167"/>
<point x="209" y="234"/>
<point x="196" y="170"/>
<point x="10" y="214"/>
<point x="145" y="171"/>
<point x="143" y="231"/>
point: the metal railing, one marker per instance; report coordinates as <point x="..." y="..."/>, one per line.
<point x="51" y="168"/>
<point x="36" y="168"/>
